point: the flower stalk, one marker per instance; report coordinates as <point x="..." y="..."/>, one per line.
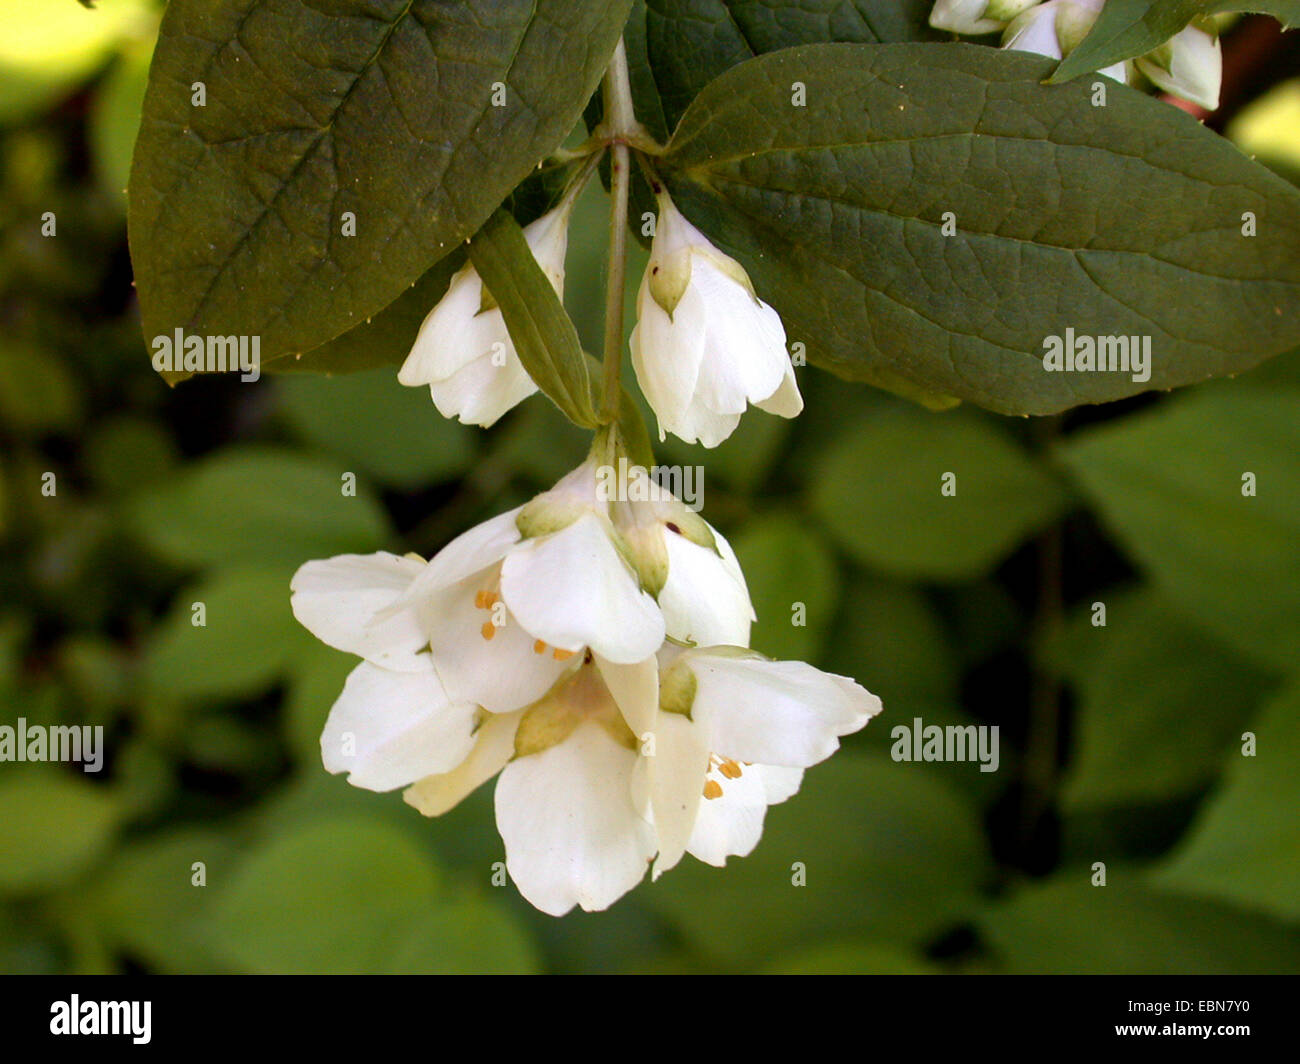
<point x="620" y="122"/>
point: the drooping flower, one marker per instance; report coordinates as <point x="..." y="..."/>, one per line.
<point x="725" y="714"/>
<point x="1188" y="65"/>
<point x="976" y="16"/>
<point x="596" y="778"/>
<point x="705" y="346"/>
<point x="685" y="562"/>
<point x="463" y="351"/>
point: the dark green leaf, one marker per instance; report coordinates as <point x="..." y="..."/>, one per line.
<point x="1123" y="220"/>
<point x="382" y="340"/>
<point x="237" y="206"/>
<point x="542" y="333"/>
<point x="691" y="42"/>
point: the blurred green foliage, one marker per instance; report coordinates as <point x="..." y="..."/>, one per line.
<point x="214" y="840"/>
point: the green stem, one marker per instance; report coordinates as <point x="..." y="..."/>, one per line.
<point x="620" y="122"/>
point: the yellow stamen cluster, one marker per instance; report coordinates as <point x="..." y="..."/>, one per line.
<point x="728" y="768"/>
<point x="485" y="600"/>
<point x="559" y="655"/>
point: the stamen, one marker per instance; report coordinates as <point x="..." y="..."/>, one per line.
<point x="485" y="600"/>
<point x="730" y="769"/>
<point x="488" y="630"/>
<point x="539" y="647"/>
<point x="712" y="789"/>
<point x="561" y="655"/>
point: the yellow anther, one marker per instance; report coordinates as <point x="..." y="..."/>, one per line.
<point x="712" y="789"/>
<point x="561" y="655"/>
<point x="485" y="600"/>
<point x="488" y="630"/>
<point x="539" y="647"/>
<point x="730" y="769"/>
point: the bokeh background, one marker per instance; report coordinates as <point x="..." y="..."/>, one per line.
<point x="1120" y="743"/>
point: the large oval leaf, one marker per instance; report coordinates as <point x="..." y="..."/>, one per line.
<point x="691" y="42"/>
<point x="383" y="109"/>
<point x="1114" y="221"/>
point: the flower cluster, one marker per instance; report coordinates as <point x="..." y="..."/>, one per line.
<point x="590" y="648"/>
<point x="1189" y="65"/>
<point x="591" y="652"/>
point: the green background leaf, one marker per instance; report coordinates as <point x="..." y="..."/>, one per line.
<point x="1067" y="926"/>
<point x="1245" y="844"/>
<point x="879" y="494"/>
<point x="1169" y="483"/>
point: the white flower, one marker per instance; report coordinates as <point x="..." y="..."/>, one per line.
<point x="704" y="345"/>
<point x="464" y="351"/>
<point x="1188" y="65"/>
<point x="1055" y="29"/>
<point x="976" y="16"/>
<point x="685" y="562"/>
<point x="506" y="611"/>
<point x="733" y="732"/>
<point x="393" y="723"/>
<point x="596" y="778"/>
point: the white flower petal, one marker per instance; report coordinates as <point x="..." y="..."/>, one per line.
<point x="494" y="745"/>
<point x="453" y="333"/>
<point x="345" y="603"/>
<point x="666" y="355"/>
<point x="775" y="712"/>
<point x="572" y="589"/>
<point x="502" y="673"/>
<point x="482" y="390"/>
<point x="572" y="834"/>
<point x="471" y="552"/>
<point x="731" y="824"/>
<point x="744" y="356"/>
<point x="699" y="424"/>
<point x="548" y="239"/>
<point x="388" y="729"/>
<point x="963" y="16"/>
<point x="677" y="770"/>
<point x="786" y="400"/>
<point x="1035" y="31"/>
<point x="635" y="690"/>
<point x="705" y="600"/>
<point x="1195" y="70"/>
